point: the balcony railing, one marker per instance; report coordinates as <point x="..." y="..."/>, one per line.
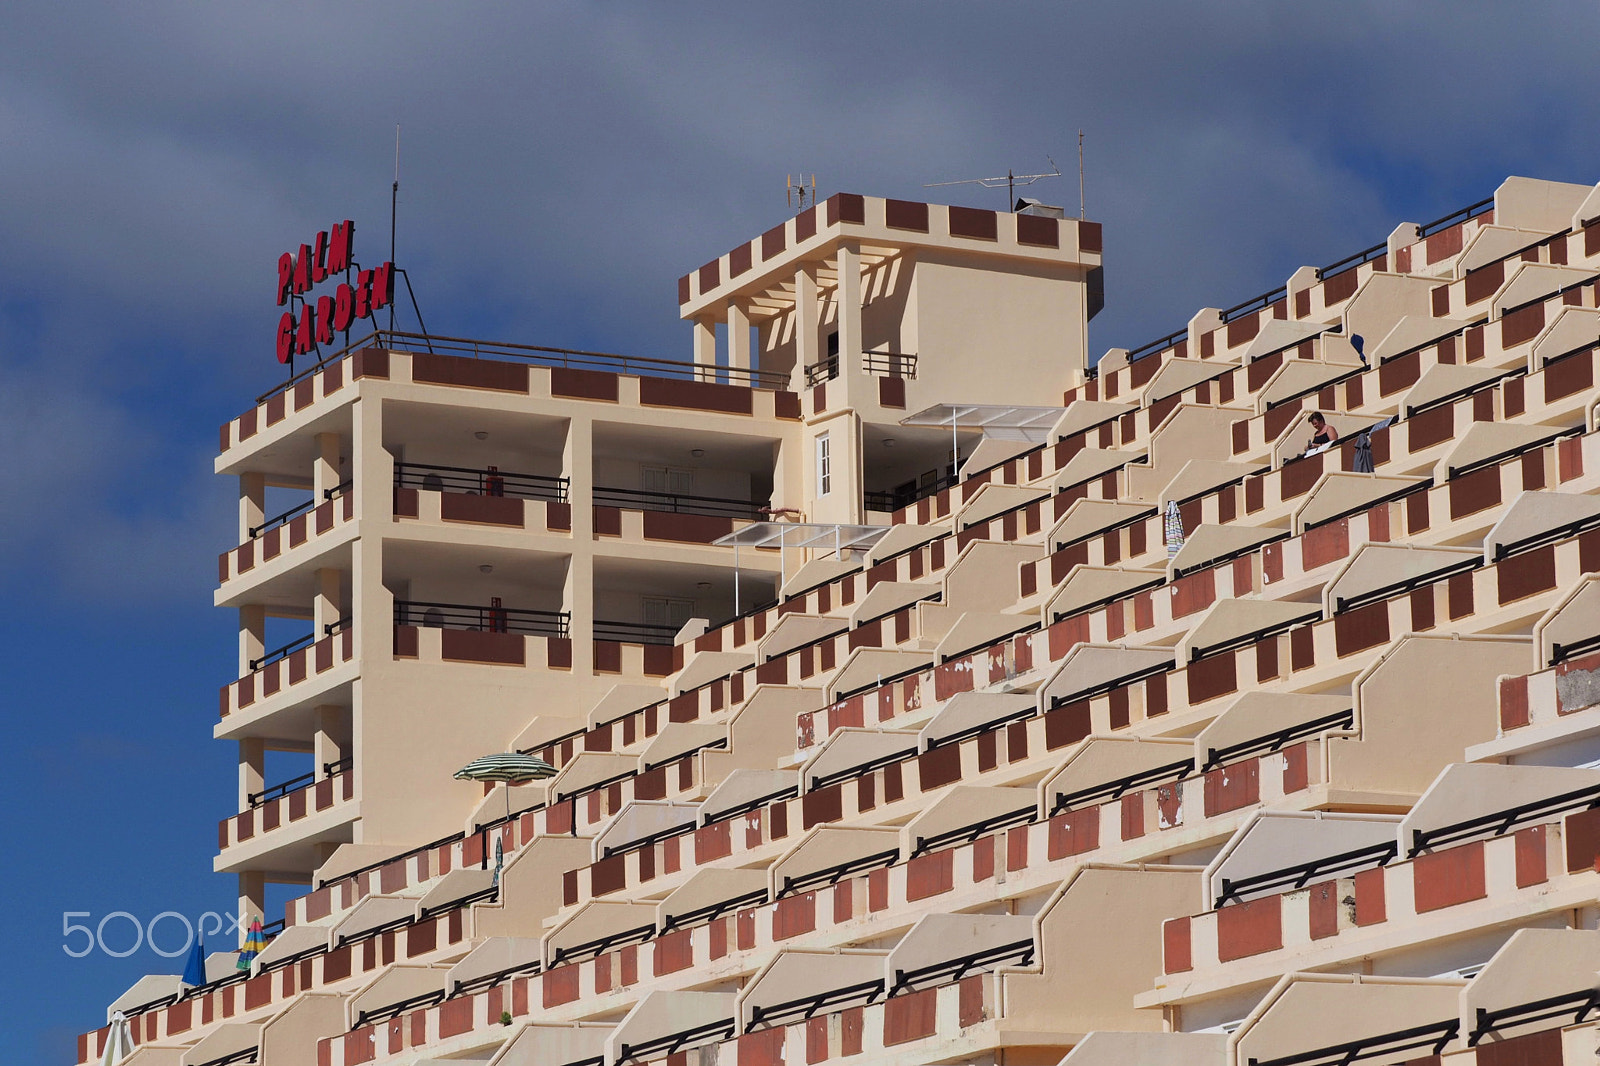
<point x="540" y="355"/>
<point x="283" y="788"/>
<point x="888" y="364"/>
<point x="635" y="632"/>
<point x="296" y="644"/>
<point x="298" y="509"/>
<point x="680" y="503"/>
<point x="930" y="484"/>
<point x="486" y="482"/>
<point x="492" y="619"/>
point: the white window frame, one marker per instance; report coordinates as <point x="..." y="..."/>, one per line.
<point x="824" y="465"/>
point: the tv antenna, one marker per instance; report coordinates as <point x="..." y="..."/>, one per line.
<point x="1009" y="179"/>
<point x="797" y="194"/>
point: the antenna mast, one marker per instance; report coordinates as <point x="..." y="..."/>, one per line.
<point x="1011" y="180"/>
<point x="394" y="202"/>
<point x="1080" y="175"/>
<point x="796" y="194"/>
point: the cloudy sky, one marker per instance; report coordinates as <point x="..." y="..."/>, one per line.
<point x="562" y="165"/>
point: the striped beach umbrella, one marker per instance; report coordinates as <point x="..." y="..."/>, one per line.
<point x="508" y="768"/>
<point x="255" y="942"/>
<point x="511" y="768"/>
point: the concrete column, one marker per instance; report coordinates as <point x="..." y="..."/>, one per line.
<point x="252" y="634"/>
<point x="252" y="503"/>
<point x="331" y="741"/>
<point x="327" y="605"/>
<point x="738" y="340"/>
<point x="577" y="597"/>
<point x="371" y="606"/>
<point x="805" y="324"/>
<point x="252" y="769"/>
<point x="325" y="468"/>
<point x="252" y="900"/>
<point x="705" y="347"/>
<point x="848" y="297"/>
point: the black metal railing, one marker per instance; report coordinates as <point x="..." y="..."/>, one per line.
<point x="861" y="769"/>
<point x="1271" y="742"/>
<point x="749" y="805"/>
<point x="1390" y="1045"/>
<point x="1244" y="640"/>
<point x="906" y="495"/>
<point x="298" y="643"/>
<point x="1301" y="874"/>
<point x="1467" y="564"/>
<point x="1560" y="653"/>
<point x="540" y="355"/>
<point x="634" y="632"/>
<point x="951" y="970"/>
<point x="1579" y="1004"/>
<point x="645" y="841"/>
<point x="1102" y="687"/>
<point x="234" y="1057"/>
<point x="791" y="1010"/>
<point x="595" y="948"/>
<point x="1110" y="790"/>
<point x="823" y="370"/>
<point x="483" y="895"/>
<point x="681" y="503"/>
<point x="277" y="520"/>
<point x="1498" y="823"/>
<point x="1498" y="457"/>
<point x="1157" y="345"/>
<point x="394" y="1010"/>
<point x="1465" y="391"/>
<point x="485" y="482"/>
<point x="489" y="980"/>
<point x="966" y="834"/>
<point x="712" y="911"/>
<point x="1446" y="221"/>
<point x="282" y="788"/>
<point x="889" y="364"/>
<point x="999" y="722"/>
<point x="1366" y="255"/>
<point x="1547" y="536"/>
<point x="1256" y="303"/>
<point x="484" y="619"/>
<point x="671" y="1043"/>
<point x="831" y="875"/>
<point x="1106" y="601"/>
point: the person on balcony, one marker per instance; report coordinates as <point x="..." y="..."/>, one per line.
<point x="1322" y="434"/>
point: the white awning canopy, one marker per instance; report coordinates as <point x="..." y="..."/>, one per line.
<point x="835" y="535"/>
<point x="1001" y="421"/>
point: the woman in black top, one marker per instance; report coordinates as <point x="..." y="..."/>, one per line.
<point x="1322" y="433"/>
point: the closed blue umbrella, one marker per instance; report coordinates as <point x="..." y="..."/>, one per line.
<point x="194" y="971"/>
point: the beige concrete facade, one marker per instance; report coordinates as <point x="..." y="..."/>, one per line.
<point x="1122" y="726"/>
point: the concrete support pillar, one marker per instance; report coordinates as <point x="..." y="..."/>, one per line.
<point x="738" y="341"/>
<point x="577" y="465"/>
<point x="252" y="900"/>
<point x="325" y="468"/>
<point x="805" y="324"/>
<point x="327" y="604"/>
<point x="252" y="634"/>
<point x="252" y="503"/>
<point x="331" y="741"/>
<point x="848" y="297"/>
<point x="252" y="769"/>
<point x="705" y="348"/>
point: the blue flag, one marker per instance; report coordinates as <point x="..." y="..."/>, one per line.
<point x="194" y="971"/>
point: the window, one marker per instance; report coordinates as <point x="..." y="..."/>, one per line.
<point x="663" y="611"/>
<point x="666" y="480"/>
<point x="824" y="467"/>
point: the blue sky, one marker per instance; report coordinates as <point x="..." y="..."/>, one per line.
<point x="563" y="164"/>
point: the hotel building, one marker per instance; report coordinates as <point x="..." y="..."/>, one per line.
<point x="920" y="693"/>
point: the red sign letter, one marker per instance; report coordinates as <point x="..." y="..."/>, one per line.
<point x="325" y="320"/>
<point x="344" y="307"/>
<point x="341" y="242"/>
<point x="382" y="286"/>
<point x="305" y="339"/>
<point x="302" y="270"/>
<point x="363" y="293"/>
<point x="285" y="277"/>
<point x="319" y="258"/>
<point x="286" y="335"/>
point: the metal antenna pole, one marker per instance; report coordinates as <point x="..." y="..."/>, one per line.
<point x="1011" y="179"/>
<point x="394" y="202"/>
<point x="1080" y="175"/>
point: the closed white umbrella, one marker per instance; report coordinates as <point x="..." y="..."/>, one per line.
<point x="119" y="1040"/>
<point x="1174" y="528"/>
